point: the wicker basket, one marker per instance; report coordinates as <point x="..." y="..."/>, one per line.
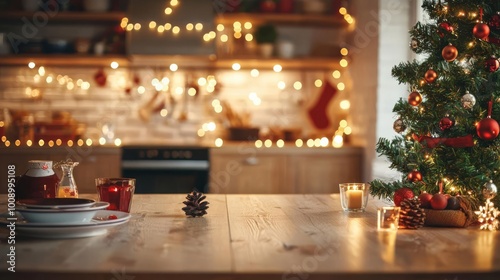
<point x="451" y="218"/>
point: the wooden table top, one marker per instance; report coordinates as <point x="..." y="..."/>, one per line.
<point x="292" y="237"/>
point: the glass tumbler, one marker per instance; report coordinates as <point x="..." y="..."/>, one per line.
<point x="117" y="191"/>
<point x="354" y="196"/>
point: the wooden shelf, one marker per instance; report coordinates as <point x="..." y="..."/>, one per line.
<point x="289" y="19"/>
<point x="66" y="17"/>
<point x="305" y="63"/>
<point x="64" y="60"/>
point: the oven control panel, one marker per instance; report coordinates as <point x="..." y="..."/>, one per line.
<point x="143" y="153"/>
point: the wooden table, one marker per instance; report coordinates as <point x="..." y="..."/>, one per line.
<point x="290" y="237"/>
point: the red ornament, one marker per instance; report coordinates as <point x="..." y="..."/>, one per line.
<point x="415" y="176"/>
<point x="100" y="77"/>
<point x="402" y="194"/>
<point x="449" y="53"/>
<point x="492" y="64"/>
<point x="444" y="27"/>
<point x="488" y="128"/>
<point x="446" y="123"/>
<point x="268" y="6"/>
<point x="481" y="31"/>
<point x="430" y="76"/>
<point x="414" y="99"/>
<point x="425" y="199"/>
<point x="439" y="201"/>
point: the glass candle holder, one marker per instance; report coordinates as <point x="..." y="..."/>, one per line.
<point x="354" y="196"/>
<point x="117" y="191"/>
<point x="388" y="218"/>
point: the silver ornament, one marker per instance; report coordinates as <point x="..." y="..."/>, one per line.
<point x="489" y="190"/>
<point x="468" y="101"/>
<point x="414" y="44"/>
<point x="399" y="126"/>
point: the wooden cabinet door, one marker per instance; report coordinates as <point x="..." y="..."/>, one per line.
<point x="242" y="174"/>
<point x="322" y="174"/>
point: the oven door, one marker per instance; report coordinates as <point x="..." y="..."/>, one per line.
<point x="167" y="176"/>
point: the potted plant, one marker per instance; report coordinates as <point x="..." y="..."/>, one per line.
<point x="265" y="36"/>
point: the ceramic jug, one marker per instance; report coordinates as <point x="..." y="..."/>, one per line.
<point x="39" y="181"/>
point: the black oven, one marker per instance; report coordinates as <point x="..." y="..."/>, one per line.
<point x="166" y="169"/>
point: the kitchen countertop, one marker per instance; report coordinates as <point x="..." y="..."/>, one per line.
<point x="257" y="237"/>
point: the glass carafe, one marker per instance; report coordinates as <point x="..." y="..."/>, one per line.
<point x="67" y="186"/>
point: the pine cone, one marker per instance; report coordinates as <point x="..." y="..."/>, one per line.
<point x="411" y="216"/>
<point x="195" y="206"/>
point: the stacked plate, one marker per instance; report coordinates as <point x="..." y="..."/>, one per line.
<point x="64" y="217"/>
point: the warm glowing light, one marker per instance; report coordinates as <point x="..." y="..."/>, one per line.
<point x="317" y="142"/>
<point x="336" y="74"/>
<point x="206" y="37"/>
<point x="212" y="34"/>
<point x="237" y="35"/>
<point x="141" y="90"/>
<point x="345" y="104"/>
<point x="310" y="143"/>
<point x="163" y="112"/>
<point x="79" y="142"/>
<point x="4" y="138"/>
<point x="237" y="25"/>
<point x="198" y="27"/>
<point x="49" y="79"/>
<point x="41" y="71"/>
<point x="168" y="11"/>
<point x="268" y="143"/>
<point x="167" y="26"/>
<point x="340" y="86"/>
<point x="176" y="30"/>
<point x="17" y="143"/>
<point x="137" y="26"/>
<point x="324" y="142"/>
<point x="7" y="143"/>
<point x="344" y="51"/>
<point x="236" y="66"/>
<point x="118" y="142"/>
<point x="130" y="27"/>
<point x="152" y="24"/>
<point x="254" y="73"/>
<point x="220" y="27"/>
<point x="51" y="143"/>
<point x="277" y="68"/>
<point x="224" y="38"/>
<point x="281" y="85"/>
<point x="70" y="143"/>
<point x="200" y="132"/>
<point x="337" y="141"/>
<point x="31" y="65"/>
<point x="218" y="142"/>
<point x="297" y="85"/>
<point x="343" y="62"/>
<point x="189" y="26"/>
<point x="202" y="81"/>
<point x="299" y="143"/>
<point x="343" y="123"/>
<point x="347" y="130"/>
<point x="85" y="85"/>
<point x="41" y="142"/>
<point x="248" y="25"/>
<point x="258" y="143"/>
<point x="173" y="67"/>
<point x="248" y="37"/>
<point x="58" y="142"/>
<point x="70" y="86"/>
<point x="280" y="143"/>
<point x="342" y="11"/>
<point x="318" y="83"/>
<point x="102" y="141"/>
<point x="114" y="65"/>
<point x="191" y="91"/>
<point x="174" y="3"/>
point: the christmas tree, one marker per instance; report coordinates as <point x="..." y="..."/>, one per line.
<point x="447" y="129"/>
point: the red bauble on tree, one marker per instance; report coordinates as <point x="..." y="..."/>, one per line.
<point x="414" y="99"/>
<point x="449" y="53"/>
<point x="492" y="64"/>
<point x="446" y="123"/>
<point x="415" y="176"/>
<point x="402" y="194"/>
<point x="481" y="31"/>
<point x="444" y="27"/>
<point x="439" y="201"/>
<point x="488" y="128"/>
<point x="430" y="76"/>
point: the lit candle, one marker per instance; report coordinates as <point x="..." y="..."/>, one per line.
<point x="354" y="198"/>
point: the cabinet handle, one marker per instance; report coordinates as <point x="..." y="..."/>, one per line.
<point x="251" y="161"/>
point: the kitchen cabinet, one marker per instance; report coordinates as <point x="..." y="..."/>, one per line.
<point x="94" y="162"/>
<point x="243" y="169"/>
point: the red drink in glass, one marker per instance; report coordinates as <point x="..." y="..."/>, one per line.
<point x="117" y="191"/>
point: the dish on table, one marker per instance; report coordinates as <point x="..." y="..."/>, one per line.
<point x="61" y="216"/>
<point x="56" y="203"/>
<point x="102" y="221"/>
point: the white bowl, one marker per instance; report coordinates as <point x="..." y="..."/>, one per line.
<point x="55" y="203"/>
<point x="61" y="216"/>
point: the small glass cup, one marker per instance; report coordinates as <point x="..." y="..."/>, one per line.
<point x="388" y="218"/>
<point x="354" y="196"/>
<point x="117" y="191"/>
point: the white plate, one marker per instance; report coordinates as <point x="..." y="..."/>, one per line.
<point x="61" y="216"/>
<point x="56" y="203"/>
<point x="54" y="231"/>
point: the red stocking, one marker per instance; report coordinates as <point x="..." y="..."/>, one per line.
<point x="317" y="113"/>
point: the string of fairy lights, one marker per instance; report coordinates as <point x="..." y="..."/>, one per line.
<point x="207" y="83"/>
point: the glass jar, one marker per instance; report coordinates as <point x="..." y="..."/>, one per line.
<point x="39" y="181"/>
<point x="67" y="186"/>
